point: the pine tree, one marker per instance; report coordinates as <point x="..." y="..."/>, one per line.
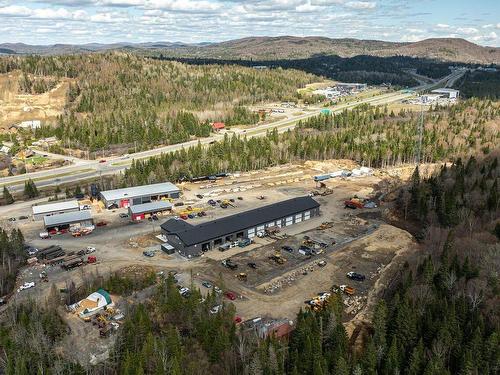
<point x="7" y="196"/>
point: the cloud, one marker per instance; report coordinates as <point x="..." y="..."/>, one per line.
<point x="361" y="4"/>
<point x="443" y="26"/>
<point x="467" y="30"/>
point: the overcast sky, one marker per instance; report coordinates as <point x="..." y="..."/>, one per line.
<point x="105" y="21"/>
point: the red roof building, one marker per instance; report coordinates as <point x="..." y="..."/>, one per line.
<point x="218" y="126"/>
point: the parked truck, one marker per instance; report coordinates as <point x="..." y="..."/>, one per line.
<point x="71" y="263"/>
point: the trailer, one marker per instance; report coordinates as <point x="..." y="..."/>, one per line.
<point x="72" y="263"/>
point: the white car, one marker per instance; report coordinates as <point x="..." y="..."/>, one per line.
<point x="90" y="249"/>
<point x="215" y="309"/>
<point x="217" y="290"/>
<point x="26" y="285"/>
<point x="183" y="291"/>
<point x="85" y="207"/>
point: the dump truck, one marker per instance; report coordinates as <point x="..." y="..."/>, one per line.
<point x="347" y="289"/>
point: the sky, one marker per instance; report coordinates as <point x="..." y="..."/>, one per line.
<point x="194" y="21"/>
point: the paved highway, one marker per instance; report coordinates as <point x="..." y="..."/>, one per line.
<point x="82" y="169"/>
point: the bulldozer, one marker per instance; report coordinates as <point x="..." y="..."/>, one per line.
<point x="278" y="258"/>
<point x="325" y="225"/>
<point x="241" y="276"/>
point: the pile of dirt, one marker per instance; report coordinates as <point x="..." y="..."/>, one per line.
<point x="332" y="165"/>
<point x="145" y="241"/>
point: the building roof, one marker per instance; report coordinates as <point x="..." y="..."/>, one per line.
<point x="175" y="225"/>
<point x="230" y="224"/>
<point x="150" y="207"/>
<point x="55" y="207"/>
<point x="139" y="191"/>
<point x="67" y="218"/>
<point x="218" y="125"/>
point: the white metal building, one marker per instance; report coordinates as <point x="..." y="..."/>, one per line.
<point x="39" y="212"/>
<point x="69" y="219"/>
<point x="447" y="93"/>
<point x="139" y="194"/>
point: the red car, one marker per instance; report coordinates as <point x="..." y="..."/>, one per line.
<point x="101" y="224"/>
<point x="63" y="231"/>
<point x="184" y="217"/>
<point x="237" y="320"/>
<point x="230" y="295"/>
<point x="102" y="161"/>
<point x="52" y="232"/>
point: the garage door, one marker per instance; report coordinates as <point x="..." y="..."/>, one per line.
<point x="278" y="223"/>
<point x="260" y="229"/>
<point x="251" y="233"/>
<point x="289" y="221"/>
<point x="298" y="218"/>
<point x="307" y="215"/>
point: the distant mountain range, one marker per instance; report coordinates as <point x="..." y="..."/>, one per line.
<point x="285" y="47"/>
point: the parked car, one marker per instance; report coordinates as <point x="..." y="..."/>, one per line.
<point x="101" y="224"/>
<point x="90" y="249"/>
<point x="230" y="295"/>
<point x="237" y="319"/>
<point x="12" y="219"/>
<point x="207" y="284"/>
<point x="240" y="198"/>
<point x="178" y="204"/>
<point x="217" y="289"/>
<point x="356" y="276"/>
<point x="199" y="196"/>
<point x="191" y="216"/>
<point x="184" y="217"/>
<point x="123" y="215"/>
<point x="23" y="217"/>
<point x="322" y="263"/>
<point x="102" y="161"/>
<point x="287" y="248"/>
<point x="185" y="292"/>
<point x="252" y="265"/>
<point x="85" y="207"/>
<point x="211" y="202"/>
<point x="26" y="285"/>
<point x="148" y="253"/>
<point x="44" y="235"/>
<point x="82" y="252"/>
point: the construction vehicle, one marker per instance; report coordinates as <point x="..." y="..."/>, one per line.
<point x="272" y="230"/>
<point x="346" y="289"/>
<point x="44" y="277"/>
<point x="242" y="276"/>
<point x="278" y="258"/>
<point x="228" y="263"/>
<point x="327" y="191"/>
<point x="261" y="197"/>
<point x="325" y="225"/>
<point x="227" y="202"/>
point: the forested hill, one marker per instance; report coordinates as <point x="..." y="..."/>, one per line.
<point x="288" y="47"/>
<point x="118" y="98"/>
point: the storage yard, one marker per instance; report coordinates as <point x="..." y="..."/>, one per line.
<point x="272" y="274"/>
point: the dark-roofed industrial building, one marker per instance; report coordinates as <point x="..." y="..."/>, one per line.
<point x="192" y="240"/>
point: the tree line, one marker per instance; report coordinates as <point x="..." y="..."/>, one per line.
<point x="372" y="136"/>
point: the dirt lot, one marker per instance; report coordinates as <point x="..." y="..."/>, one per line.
<point x="15" y="107"/>
<point x="364" y="244"/>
